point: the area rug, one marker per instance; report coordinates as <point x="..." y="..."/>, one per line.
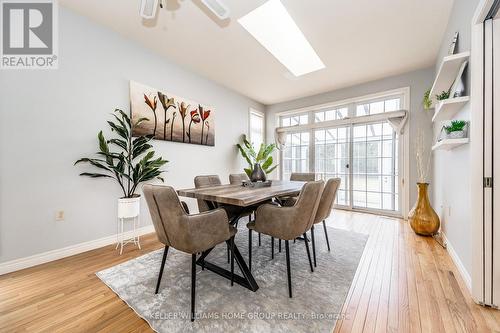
<point x="317" y="297"/>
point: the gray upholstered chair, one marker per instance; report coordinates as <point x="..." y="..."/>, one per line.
<point x="298" y="177"/>
<point x="237" y="178"/>
<point x="187" y="233"/>
<point x="214" y="180"/>
<point x="303" y="176"/>
<point x="287" y="223"/>
<point x="325" y="209"/>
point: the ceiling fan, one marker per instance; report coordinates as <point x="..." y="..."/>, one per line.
<point x="150" y="7"/>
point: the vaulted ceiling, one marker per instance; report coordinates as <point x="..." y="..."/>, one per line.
<point x="358" y="41"/>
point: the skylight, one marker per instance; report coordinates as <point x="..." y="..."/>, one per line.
<point x="275" y="29"/>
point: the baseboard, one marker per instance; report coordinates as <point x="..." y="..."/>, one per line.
<point x="456" y="260"/>
<point x="41" y="258"/>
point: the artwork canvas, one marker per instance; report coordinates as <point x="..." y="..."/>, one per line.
<point x="170" y="117"/>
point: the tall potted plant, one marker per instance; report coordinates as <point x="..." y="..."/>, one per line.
<point x="130" y="164"/>
<point x="259" y="162"/>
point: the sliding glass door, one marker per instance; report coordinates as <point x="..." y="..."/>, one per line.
<point x="331" y="160"/>
<point x="374" y="171"/>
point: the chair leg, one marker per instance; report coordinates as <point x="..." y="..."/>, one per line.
<point x="326" y="236"/>
<point x="228" y="253"/>
<point x="279" y="246"/>
<point x="193" y="284"/>
<point x="232" y="261"/>
<point x="308" y="252"/>
<point x="314" y="245"/>
<point x="259" y="238"/>
<point x="165" y="251"/>
<point x="272" y="248"/>
<point x="288" y="273"/>
<point x="250" y="250"/>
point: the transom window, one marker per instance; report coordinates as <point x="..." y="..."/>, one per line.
<point x="299" y="119"/>
<point x="334" y="114"/>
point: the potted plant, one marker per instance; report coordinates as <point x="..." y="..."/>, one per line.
<point x="456" y="130"/>
<point x="130" y="164"/>
<point x="259" y="162"/>
<point x="427" y="101"/>
<point x="443" y="95"/>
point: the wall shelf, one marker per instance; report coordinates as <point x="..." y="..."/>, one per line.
<point x="447" y="73"/>
<point x="446" y="109"/>
<point x="448" y="144"/>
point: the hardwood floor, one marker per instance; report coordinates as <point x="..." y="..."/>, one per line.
<point x="404" y="283"/>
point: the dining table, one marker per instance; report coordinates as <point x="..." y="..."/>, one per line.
<point x="240" y="199"/>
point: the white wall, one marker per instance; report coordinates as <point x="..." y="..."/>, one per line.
<point x="418" y="81"/>
<point x="451" y="198"/>
<point x="48" y="119"/>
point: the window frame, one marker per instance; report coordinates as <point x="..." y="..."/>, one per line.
<point x="351" y="119"/>
<point x="260" y="114"/>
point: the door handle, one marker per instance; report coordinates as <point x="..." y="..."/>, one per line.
<point x="347" y="166"/>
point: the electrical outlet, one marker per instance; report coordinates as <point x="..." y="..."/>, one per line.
<point x="60" y="215"/>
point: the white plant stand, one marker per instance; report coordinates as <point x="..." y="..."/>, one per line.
<point x="128" y="211"/>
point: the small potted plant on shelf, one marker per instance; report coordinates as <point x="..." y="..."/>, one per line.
<point x="259" y="162"/>
<point x="443" y="95"/>
<point x="456" y="130"/>
<point x="131" y="164"/>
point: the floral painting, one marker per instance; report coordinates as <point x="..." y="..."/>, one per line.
<point x="170" y="117"/>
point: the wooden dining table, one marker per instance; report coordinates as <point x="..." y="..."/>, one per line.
<point x="241" y="199"/>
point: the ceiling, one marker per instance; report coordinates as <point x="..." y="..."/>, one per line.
<point x="358" y="41"/>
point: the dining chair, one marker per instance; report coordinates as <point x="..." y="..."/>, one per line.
<point x="324" y="210"/>
<point x="303" y="176"/>
<point x="214" y="180"/>
<point x="287" y="223"/>
<point x="238" y="179"/>
<point x="191" y="234"/>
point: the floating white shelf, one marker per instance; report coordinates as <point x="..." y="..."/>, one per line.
<point x="446" y="109"/>
<point x="447" y="144"/>
<point x="448" y="72"/>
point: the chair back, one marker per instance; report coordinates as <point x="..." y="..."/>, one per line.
<point x="327" y="199"/>
<point x="237" y="178"/>
<point x="166" y="212"/>
<point x="307" y="205"/>
<point x="205" y="181"/>
<point x="303" y="176"/>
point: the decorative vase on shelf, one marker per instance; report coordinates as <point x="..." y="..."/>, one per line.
<point x="423" y="219"/>
<point x="258" y="175"/>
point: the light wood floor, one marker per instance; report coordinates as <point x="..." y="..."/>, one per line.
<point x="404" y="283"/>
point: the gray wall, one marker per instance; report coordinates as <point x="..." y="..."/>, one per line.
<point x="451" y="168"/>
<point x="418" y="81"/>
<point x="48" y="119"/>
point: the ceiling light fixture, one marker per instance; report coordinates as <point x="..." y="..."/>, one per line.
<point x="217" y="7"/>
<point x="274" y="28"/>
<point x="148" y="9"/>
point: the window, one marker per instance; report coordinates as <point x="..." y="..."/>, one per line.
<point x="334" y="114"/>
<point x="363" y="153"/>
<point x="299" y="119"/>
<point x="381" y="106"/>
<point x="296" y="154"/>
<point x="256" y="128"/>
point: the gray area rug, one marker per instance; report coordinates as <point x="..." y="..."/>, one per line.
<point x="317" y="297"/>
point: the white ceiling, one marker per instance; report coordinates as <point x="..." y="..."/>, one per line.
<point x="358" y="40"/>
